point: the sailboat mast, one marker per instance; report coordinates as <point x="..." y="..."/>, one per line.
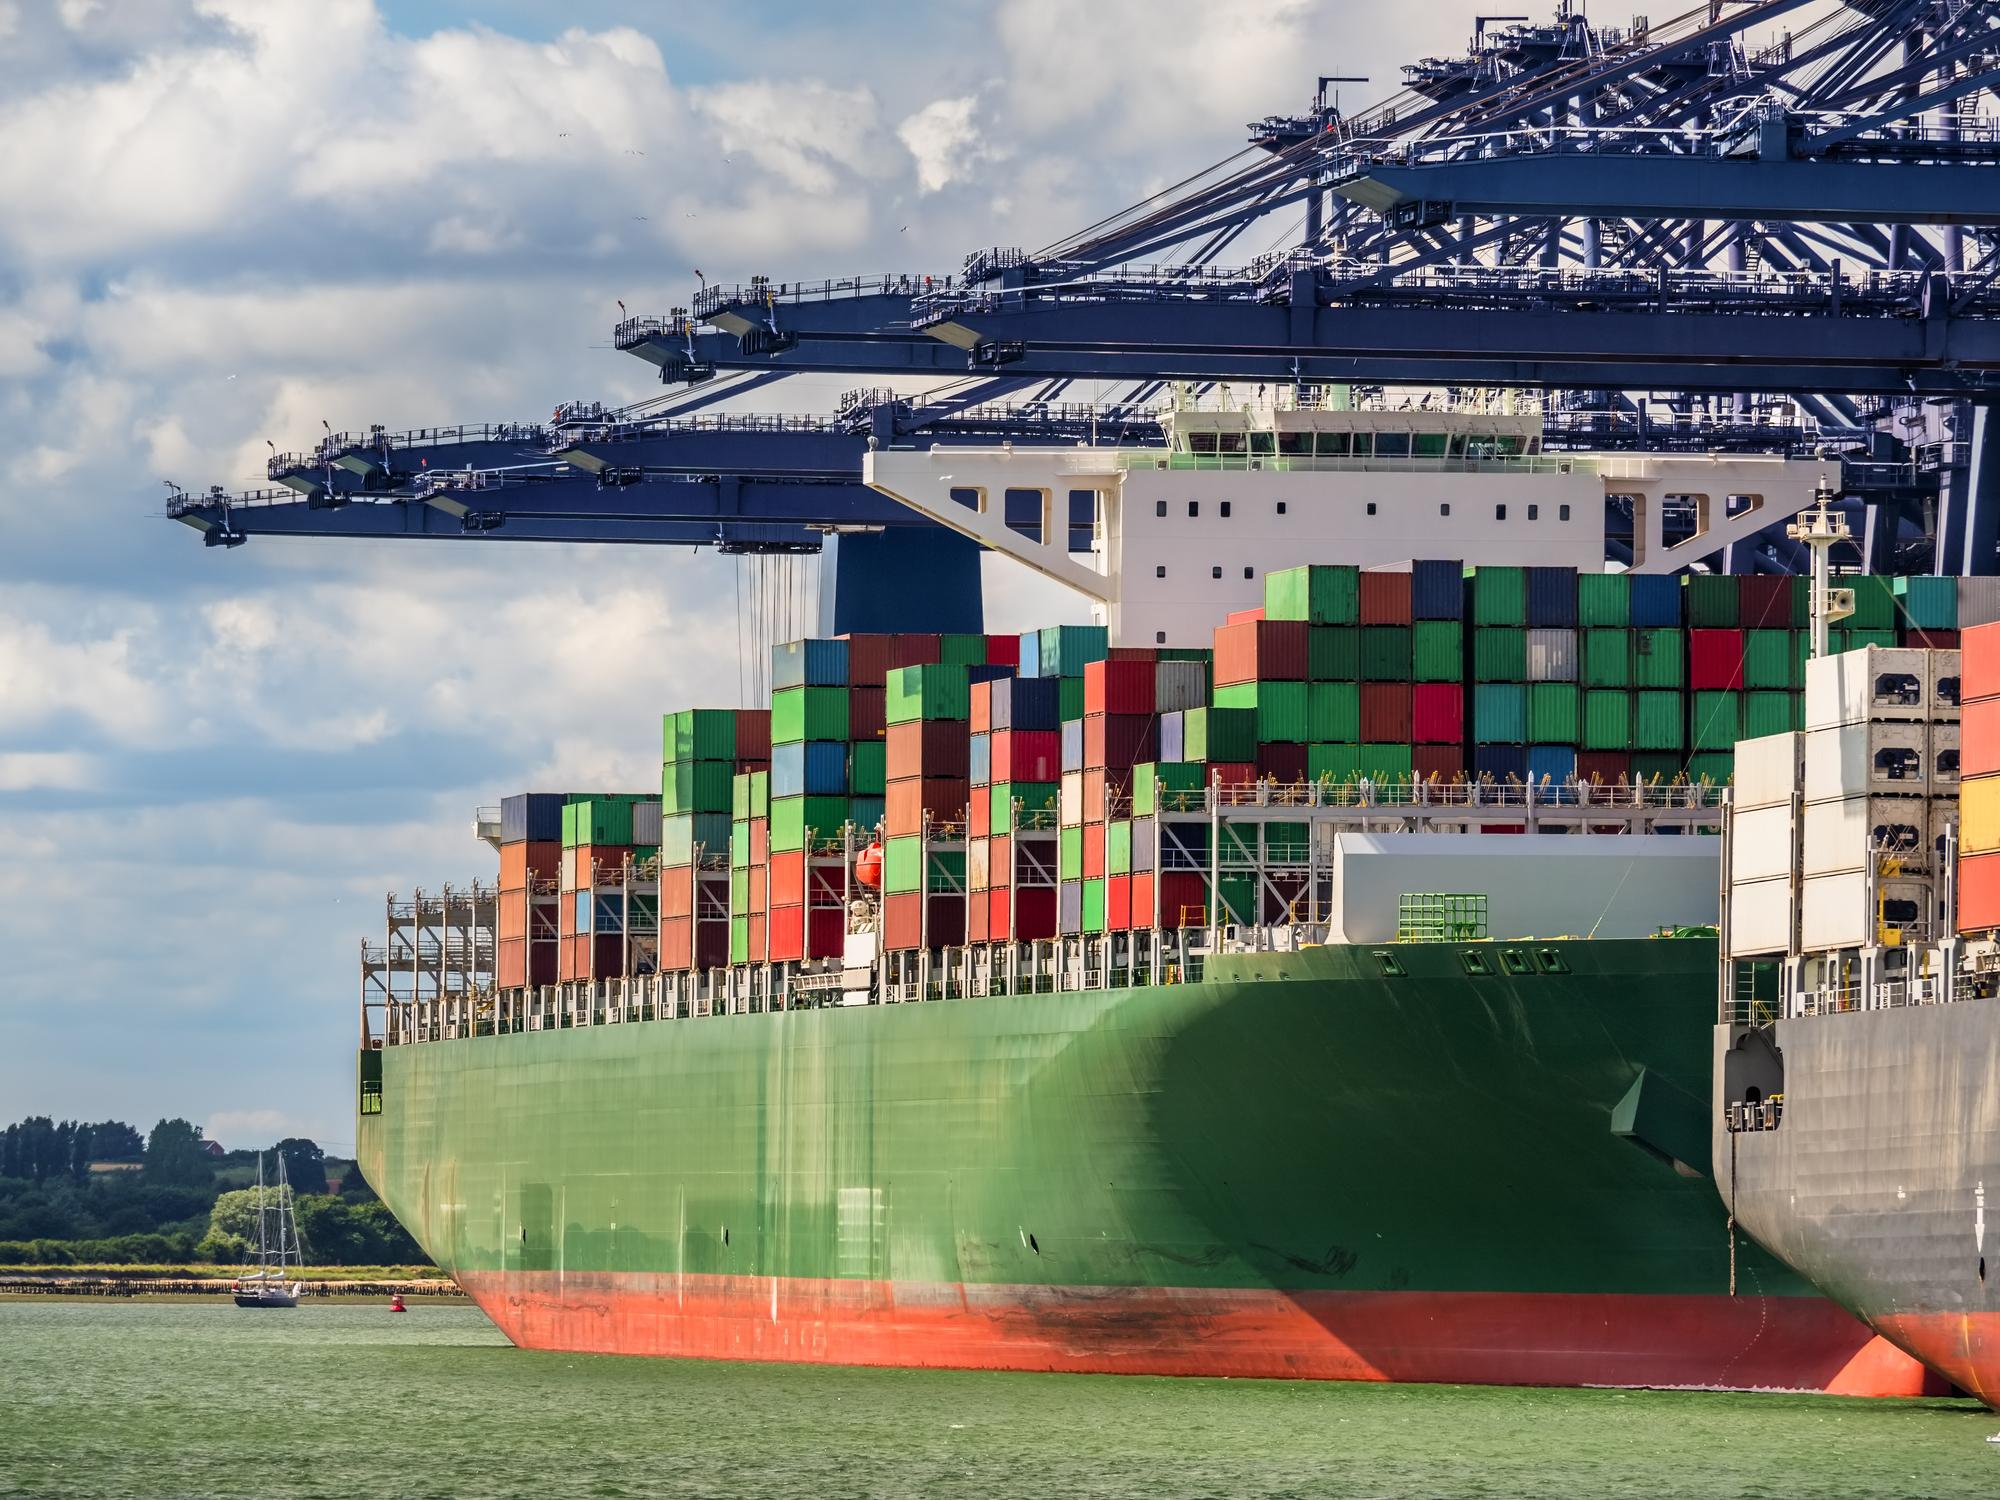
<point x="263" y="1240"/>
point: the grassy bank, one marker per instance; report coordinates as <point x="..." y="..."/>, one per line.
<point x="202" y="1271"/>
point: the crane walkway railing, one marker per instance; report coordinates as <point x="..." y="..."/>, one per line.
<point x="760" y="292"/>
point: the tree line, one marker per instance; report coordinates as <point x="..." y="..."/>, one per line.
<point x="168" y="1198"/>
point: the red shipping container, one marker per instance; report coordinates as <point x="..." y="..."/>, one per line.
<point x="1282" y="762"/>
<point x="1003" y="651"/>
<point x="759" y="926"/>
<point x="1118" y="902"/>
<point x="1385" y="713"/>
<point x="1606" y="767"/>
<point x="1437" y="712"/>
<point x="979" y="711"/>
<point x="978" y="919"/>
<point x="1001" y="850"/>
<point x="1261" y="651"/>
<point x="1385" y="598"/>
<point x="866" y="714"/>
<point x="1443" y="763"/>
<point x="1978" y="892"/>
<point x="1929" y="640"/>
<point x="510" y="963"/>
<point x="1118" y="742"/>
<point x="1231" y="772"/>
<point x="1133" y="653"/>
<point x="760" y="881"/>
<point x="676" y="945"/>
<point x="1764" y="601"/>
<point x="760" y="841"/>
<point x="513" y="915"/>
<point x="787" y="930"/>
<point x="1093" y="851"/>
<point x="1027" y="755"/>
<point x="1979" y="671"/>
<point x="1142" y="902"/>
<point x="1118" y="687"/>
<point x="1715" y="660"/>
<point x="1243" y="616"/>
<point x="930" y="748"/>
<point x="677" y="892"/>
<point x="1183" y="899"/>
<point x="998" y="905"/>
<point x="979" y="813"/>
<point x="907" y="801"/>
<point x="904" y="924"/>
<point x="1979" y="738"/>
<point x="518" y="862"/>
<point x="753" y="737"/>
<point x="1034" y="913"/>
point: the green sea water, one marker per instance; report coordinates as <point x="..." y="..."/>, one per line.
<point x="158" y="1399"/>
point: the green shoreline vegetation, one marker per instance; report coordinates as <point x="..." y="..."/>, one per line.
<point x="83" y="1197"/>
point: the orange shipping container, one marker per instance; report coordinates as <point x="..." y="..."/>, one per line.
<point x="1979" y="738"/>
<point x="1118" y="902"/>
<point x="513" y="916"/>
<point x="978" y="918"/>
<point x="677" y="892"/>
<point x="1979" y="666"/>
<point x="1261" y="651"/>
<point x="511" y="963"/>
<point x="996" y="902"/>
<point x="519" y="861"/>
<point x="1093" y="851"/>
<point x="1979" y="893"/>
<point x="907" y="801"/>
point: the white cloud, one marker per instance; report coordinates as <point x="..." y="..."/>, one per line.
<point x="49" y="770"/>
<point x="945" y="141"/>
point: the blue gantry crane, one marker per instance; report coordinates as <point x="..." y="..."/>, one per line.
<point x="1767" y="225"/>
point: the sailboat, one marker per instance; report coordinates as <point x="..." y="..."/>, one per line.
<point x="278" y="1248"/>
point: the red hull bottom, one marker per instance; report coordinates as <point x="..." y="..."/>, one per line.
<point x="1964" y="1348"/>
<point x="1472" y="1338"/>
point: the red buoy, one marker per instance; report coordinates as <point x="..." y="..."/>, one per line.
<point x="396" y="1303"/>
<point x="868" y="867"/>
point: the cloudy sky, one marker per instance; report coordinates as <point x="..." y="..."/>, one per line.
<point x="225" y="221"/>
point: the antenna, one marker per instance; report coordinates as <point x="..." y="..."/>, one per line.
<point x="1822" y="528"/>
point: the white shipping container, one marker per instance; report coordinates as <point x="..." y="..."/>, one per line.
<point x="1941" y="764"/>
<point x="1760" y="844"/>
<point x="1944" y="692"/>
<point x="1552" y="656"/>
<point x="1857" y="759"/>
<point x="1767" y="770"/>
<point x="1843" y="835"/>
<point x="1070" y="811"/>
<point x="1876" y="682"/>
<point x="1834" y="912"/>
<point x="1760" y="917"/>
<point x="1943" y="815"/>
<point x="978" y="864"/>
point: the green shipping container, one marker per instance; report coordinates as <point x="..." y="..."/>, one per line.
<point x="1715" y="720"/>
<point x="1713" y="601"/>
<point x="699" y="734"/>
<point x="1037" y="798"/>
<point x="760" y="794"/>
<point x="1772" y="713"/>
<point x="680" y="833"/>
<point x="1499" y="654"/>
<point x="1069" y="698"/>
<point x="808" y="713"/>
<point x="1118" y="848"/>
<point x="1500" y="713"/>
<point x="1223" y="733"/>
<point x="1284" y="713"/>
<point x="1554" y="714"/>
<point x="1658" y="721"/>
<point x="867" y="766"/>
<point x="739" y="887"/>
<point x="1093" y="904"/>
<point x="739" y="845"/>
<point x="1659" y="659"/>
<point x="1069" y="853"/>
<point x="1855" y="639"/>
<point x="1385" y="762"/>
<point x="1927" y="603"/>
<point x="1603" y="600"/>
<point x="1333" y="653"/>
<point x="1664" y="769"/>
<point x="795" y="819"/>
<point x="1874" y="603"/>
<point x="1179" y="777"/>
<point x="690" y="786"/>
<point x="739" y="795"/>
<point x="1769" y="659"/>
<point x="739" y="940"/>
<point x="1437" y="651"/>
<point x="1335" y="763"/>
<point x="1238" y="697"/>
<point x="608" y="820"/>
<point x="903" y="864"/>
<point x="962" y="650"/>
<point x="1500" y="596"/>
<point x="1322" y="595"/>
<point x="1715" y="766"/>
<point x="1606" y="658"/>
<point x="1236" y="899"/>
<point x="1333" y="712"/>
<point x="1607" y="720"/>
<point x="1385" y="653"/>
<point x="928" y="692"/>
<point x="1067" y="649"/>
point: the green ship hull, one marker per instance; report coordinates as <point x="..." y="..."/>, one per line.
<point x="1423" y="1162"/>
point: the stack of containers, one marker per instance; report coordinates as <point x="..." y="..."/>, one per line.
<point x="1658" y="677"/>
<point x="1385" y="603"/>
<point x="1555" y="707"/>
<point x="1979" y="792"/>
<point x="1016" y="771"/>
<point x="702" y="750"/>
<point x="826" y="758"/>
<point x="750" y="867"/>
<point x="1604" y="673"/>
<point x="1764" y="845"/>
<point x="531" y="830"/>
<point x="1328" y="672"/>
<point x="1500" y="673"/>
<point x="927" y="765"/>
<point x="600" y="833"/>
<point x="1867" y="852"/>
<point x="1927" y="612"/>
<point x="1262" y="667"/>
<point x="1172" y="898"/>
<point x="1062" y="652"/>
<point x="1437" y="670"/>
<point x="1121" y="702"/>
<point x="1770" y="608"/>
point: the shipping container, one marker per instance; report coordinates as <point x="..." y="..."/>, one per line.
<point x="532" y="817"/>
<point x="1262" y="651"/>
<point x="1437" y="651"/>
<point x="521" y="862"/>
<point x="809" y="768"/>
<point x="1655" y="601"/>
<point x="1385" y="763"/>
<point x="1605" y="658"/>
<point x="1979" y="815"/>
<point x="1333" y="653"/>
<point x="1766" y="713"/>
<point x="1658" y="721"/>
<point x="1978" y="602"/>
<point x="927" y="748"/>
<point x="1500" y="762"/>
<point x="1713" y="601"/>
<point x="1979" y="886"/>
<point x="1003" y="650"/>
<point x="1093" y="851"/>
<point x="1284" y="763"/>
<point x="1437" y="590"/>
<point x="1715" y="720"/>
<point x="1283" y="713"/>
<point x="1552" y="598"/>
<point x="1874" y="602"/>
<point x="1178" y="685"/>
<point x="1551" y="655"/>
<point x="1440" y="763"/>
<point x="1554" y="714"/>
<point x="1333" y="712"/>
<point x="699" y="734"/>
<point x="1065" y="650"/>
<point x="1715" y="660"/>
<point x="908" y="803"/>
<point x="1120" y="741"/>
<point x="1318" y="595"/>
<point x="1764" y="601"/>
<point x="1499" y="714"/>
<point x="927" y="692"/>
<point x="1220" y="734"/>
<point x="1603" y="600"/>
<point x="1603" y="767"/>
<point x="1385" y="653"/>
<point x="1385" y="713"/>
<point x="809" y="713"/>
<point x="1499" y="654"/>
<point x="1607" y="720"/>
<point x="1178" y="782"/>
<point x="1500" y="596"/>
<point x="691" y="786"/>
<point x="867" y="768"/>
<point x="1551" y="764"/>
<point x="1118" y="687"/>
<point x="1659" y="658"/>
<point x="794" y="820"/>
<point x="1437" y="713"/>
<point x="1770" y="661"/>
<point x="809" y="663"/>
<point x="1385" y="598"/>
<point x="1028" y="755"/>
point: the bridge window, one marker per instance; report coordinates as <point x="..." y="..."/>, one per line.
<point x="1230" y="442"/>
<point x="1024" y="513"/>
<point x="1333" y="445"/>
<point x="1562" y="512"/>
<point x="1201" y="442"/>
<point x="968" y="498"/>
<point x="1281" y="507"/>
<point x="1430" y="445"/>
<point x="1225" y="510"/>
<point x="1294" y="442"/>
<point x="1194" y="508"/>
<point x="1534" y="513"/>
<point x="1371" y="507"/>
<point x="1082" y="519"/>
<point x="1215" y="572"/>
<point x="1249" y="572"/>
<point x="1159" y="507"/>
<point x="1444" y="508"/>
<point x="1392" y="445"/>
<point x="1159" y="638"/>
<point x="1458" y="445"/>
<point x="1262" y="442"/>
<point x="1499" y="512"/>
<point x="1507" y="447"/>
<point x="1364" y="444"/>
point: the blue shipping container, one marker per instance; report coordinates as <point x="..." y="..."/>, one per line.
<point x="1556" y="762"/>
<point x="1552" y="598"/>
<point x="1027" y="701"/>
<point x="812" y="663"/>
<point x="1656" y="601"/>
<point x="982" y="760"/>
<point x="1072" y="745"/>
<point x="1031" y="654"/>
<point x="531" y="817"/>
<point x="1173" y="737"/>
<point x="1499" y="713"/>
<point x="811" y="768"/>
<point x="988" y="672"/>
<point x="1437" y="590"/>
<point x="1501" y="762"/>
<point x="865" y="813"/>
